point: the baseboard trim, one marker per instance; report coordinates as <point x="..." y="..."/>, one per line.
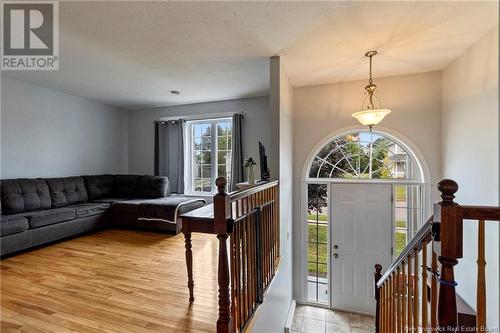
<point x="289" y="317"/>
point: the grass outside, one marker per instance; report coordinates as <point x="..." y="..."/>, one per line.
<point x="400" y="192"/>
<point x="321" y="217"/>
<point x="317" y="252"/>
<point x="400" y="224"/>
<point x="400" y="243"/>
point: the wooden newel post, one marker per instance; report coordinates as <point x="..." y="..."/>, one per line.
<point x="222" y="211"/>
<point x="447" y="234"/>
<point x="378" y="276"/>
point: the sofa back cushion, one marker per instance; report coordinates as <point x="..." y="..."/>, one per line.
<point x="153" y="187"/>
<point x="99" y="187"/>
<point x="24" y="195"/>
<point x="67" y="191"/>
<point x="126" y="186"/>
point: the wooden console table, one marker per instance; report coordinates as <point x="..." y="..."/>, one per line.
<point x="198" y="220"/>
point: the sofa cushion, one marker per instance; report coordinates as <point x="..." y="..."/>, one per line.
<point x="89" y="209"/>
<point x="128" y="206"/>
<point x="126" y="186"/>
<point x="47" y="217"/>
<point x="153" y="187"/>
<point x="111" y="200"/>
<point x="23" y="195"/>
<point x="99" y="186"/>
<point x="67" y="191"/>
<point x="13" y="224"/>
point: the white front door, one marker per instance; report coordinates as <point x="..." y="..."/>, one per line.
<point x="361" y="237"/>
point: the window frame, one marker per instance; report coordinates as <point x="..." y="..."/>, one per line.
<point x="411" y="159"/>
<point x="188" y="158"/>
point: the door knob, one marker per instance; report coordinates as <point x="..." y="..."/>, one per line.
<point x="335" y="246"/>
<point x="335" y="255"/>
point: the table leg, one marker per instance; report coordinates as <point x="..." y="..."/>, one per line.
<point x="189" y="264"/>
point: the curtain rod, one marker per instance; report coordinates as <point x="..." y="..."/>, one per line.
<point x="202" y="117"/>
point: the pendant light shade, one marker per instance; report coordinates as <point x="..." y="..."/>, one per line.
<point x="372" y="112"/>
<point x="371" y="118"/>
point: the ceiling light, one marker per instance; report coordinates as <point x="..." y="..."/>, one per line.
<point x="371" y="114"/>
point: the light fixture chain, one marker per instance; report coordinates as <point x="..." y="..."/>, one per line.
<point x="371" y="80"/>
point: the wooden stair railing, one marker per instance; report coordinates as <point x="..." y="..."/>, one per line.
<point x="250" y="219"/>
<point x="402" y="302"/>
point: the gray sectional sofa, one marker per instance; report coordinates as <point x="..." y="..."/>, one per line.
<point x="39" y="211"/>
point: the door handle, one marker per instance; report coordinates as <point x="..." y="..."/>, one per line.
<point x="335" y="246"/>
<point x="335" y="255"/>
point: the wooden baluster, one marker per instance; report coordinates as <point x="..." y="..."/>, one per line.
<point x="241" y="274"/>
<point x="411" y="327"/>
<point x="254" y="261"/>
<point x="244" y="271"/>
<point x="382" y="304"/>
<point x="386" y="307"/>
<point x="393" y="303"/>
<point x="450" y="218"/>
<point x="424" y="287"/>
<point x="404" y="304"/>
<point x="250" y="263"/>
<point x="268" y="239"/>
<point x="389" y="305"/>
<point x="232" y="261"/>
<point x="276" y="217"/>
<point x="399" y="290"/>
<point x="434" y="290"/>
<point x="416" y="319"/>
<point x="378" y="275"/>
<point x="222" y="210"/>
<point x="481" y="281"/>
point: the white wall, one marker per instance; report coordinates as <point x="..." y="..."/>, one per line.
<point x="470" y="157"/>
<point x="256" y="127"/>
<point x="321" y="110"/>
<point x="272" y="314"/>
<point x="45" y="133"/>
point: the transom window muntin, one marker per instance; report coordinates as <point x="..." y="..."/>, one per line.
<point x="364" y="155"/>
<point x="209" y="155"/>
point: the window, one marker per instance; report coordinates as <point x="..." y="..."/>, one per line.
<point x="317" y="243"/>
<point x="408" y="215"/>
<point x="364" y="155"/>
<point x="209" y="153"/>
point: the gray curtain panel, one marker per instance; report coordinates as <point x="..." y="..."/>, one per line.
<point x="237" y="170"/>
<point x="169" y="153"/>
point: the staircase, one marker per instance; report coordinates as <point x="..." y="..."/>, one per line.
<point x="405" y="303"/>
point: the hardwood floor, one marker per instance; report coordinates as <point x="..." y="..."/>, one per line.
<point x="112" y="281"/>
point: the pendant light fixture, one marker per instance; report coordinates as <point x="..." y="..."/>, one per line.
<point x="371" y="114"/>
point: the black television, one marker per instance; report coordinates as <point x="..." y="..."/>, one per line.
<point x="264" y="169"/>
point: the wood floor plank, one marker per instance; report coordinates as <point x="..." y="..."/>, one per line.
<point x="111" y="281"/>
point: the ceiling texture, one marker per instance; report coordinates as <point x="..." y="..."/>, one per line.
<point x="131" y="54"/>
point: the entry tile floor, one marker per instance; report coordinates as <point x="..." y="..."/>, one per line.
<point x="309" y="319"/>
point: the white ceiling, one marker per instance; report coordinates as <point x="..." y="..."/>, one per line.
<point x="131" y="54"/>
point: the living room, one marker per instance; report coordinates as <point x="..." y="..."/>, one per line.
<point x="110" y="160"/>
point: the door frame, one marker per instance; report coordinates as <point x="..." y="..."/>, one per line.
<point x="426" y="208"/>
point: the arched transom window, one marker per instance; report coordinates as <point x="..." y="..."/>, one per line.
<point x="364" y="155"/>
